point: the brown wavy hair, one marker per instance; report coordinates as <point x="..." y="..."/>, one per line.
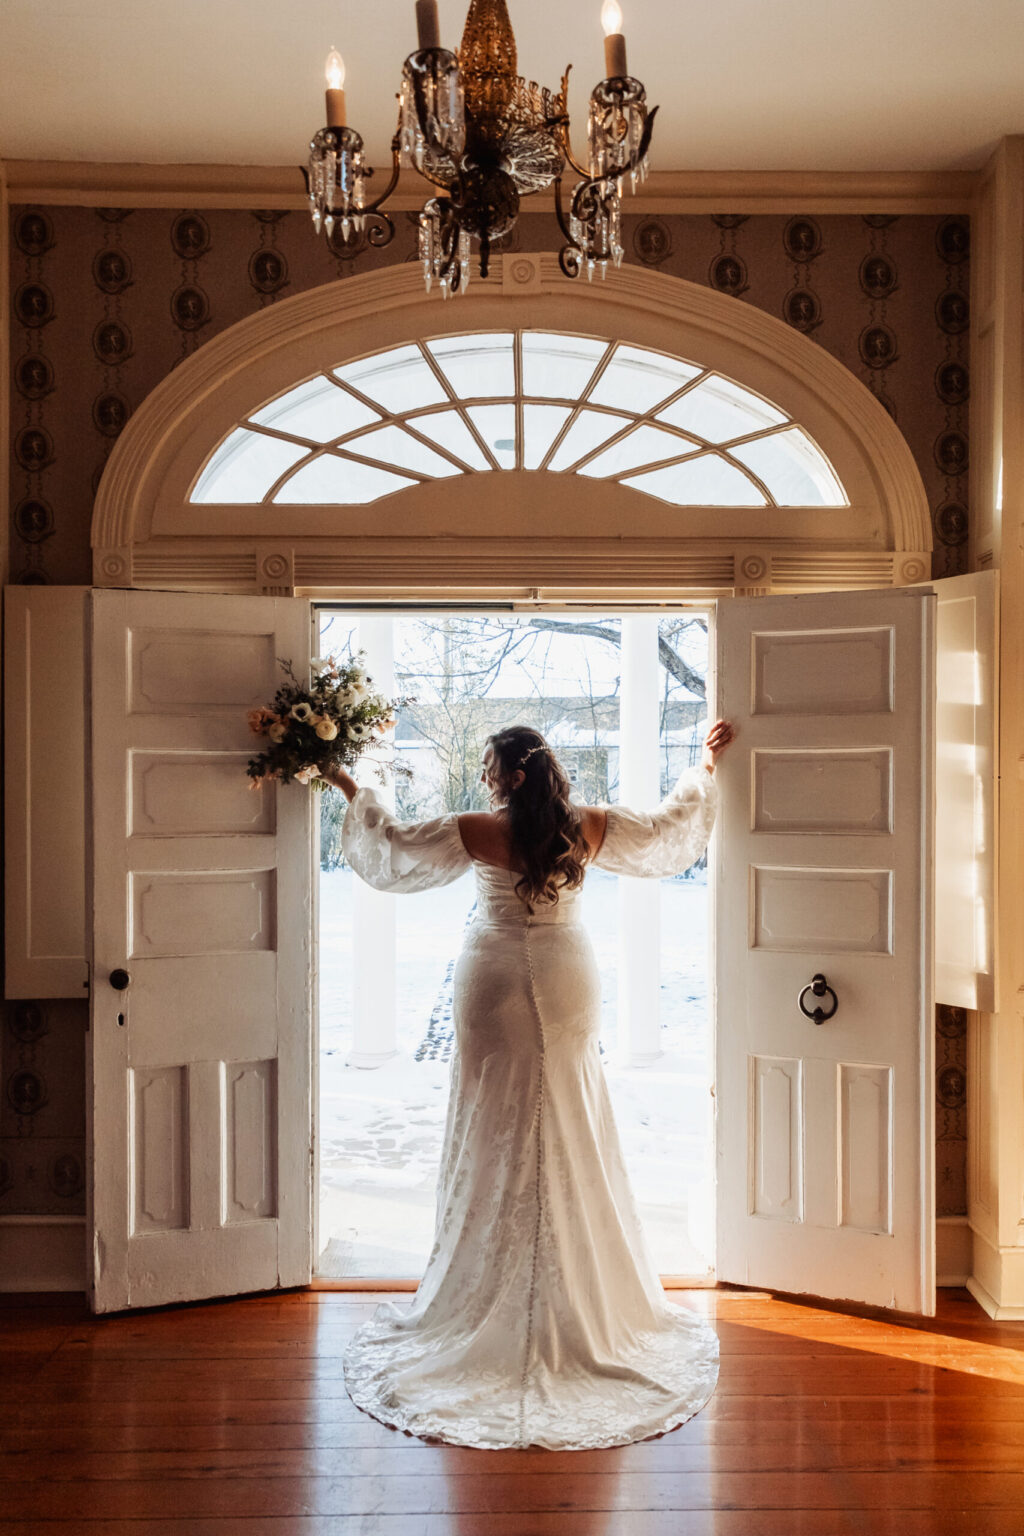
<point x="545" y="829"/>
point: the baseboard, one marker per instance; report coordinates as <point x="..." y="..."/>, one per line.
<point x="997" y="1279"/>
<point x="989" y="1304"/>
<point x="42" y="1253"/>
<point x="952" y="1250"/>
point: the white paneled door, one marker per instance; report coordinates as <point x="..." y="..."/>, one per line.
<point x="200" y="1108"/>
<point x="825" y="1135"/>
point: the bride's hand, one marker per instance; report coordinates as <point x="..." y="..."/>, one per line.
<point x="339" y="779"/>
<point x="715" y="743"/>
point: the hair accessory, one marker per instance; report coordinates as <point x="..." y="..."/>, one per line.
<point x="540" y="747"/>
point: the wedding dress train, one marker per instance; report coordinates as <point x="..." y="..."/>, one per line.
<point x="540" y="1319"/>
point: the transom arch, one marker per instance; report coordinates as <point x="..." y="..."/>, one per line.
<point x="644" y="433"/>
<point x="489" y="402"/>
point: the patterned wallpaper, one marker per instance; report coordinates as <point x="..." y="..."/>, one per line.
<point x="106" y="301"/>
<point x="42" y="1112"/>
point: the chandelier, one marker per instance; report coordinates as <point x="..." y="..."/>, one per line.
<point x="483" y="138"/>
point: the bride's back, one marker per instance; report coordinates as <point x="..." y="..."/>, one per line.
<point x="486" y="837"/>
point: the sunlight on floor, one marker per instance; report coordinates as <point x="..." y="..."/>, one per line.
<point x="917" y="1346"/>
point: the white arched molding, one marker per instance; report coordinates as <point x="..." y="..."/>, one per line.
<point x="536" y="532"/>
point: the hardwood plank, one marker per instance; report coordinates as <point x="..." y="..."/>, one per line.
<point x="799" y="1412"/>
<point x="529" y="1492"/>
<point x="921" y="1522"/>
<point x="965" y="1441"/>
<point x="904" y="1453"/>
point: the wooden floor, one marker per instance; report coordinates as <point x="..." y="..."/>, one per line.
<point x="231" y="1419"/>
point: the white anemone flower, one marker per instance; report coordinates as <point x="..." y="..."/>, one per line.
<point x="302" y="712"/>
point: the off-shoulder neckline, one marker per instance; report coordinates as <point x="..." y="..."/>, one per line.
<point x="510" y="869"/>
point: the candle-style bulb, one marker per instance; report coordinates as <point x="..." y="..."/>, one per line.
<point x="611" y="17"/>
<point x="334" y="70"/>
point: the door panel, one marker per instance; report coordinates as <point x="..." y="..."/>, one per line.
<point x="967" y="654"/>
<point x="825" y="1128"/>
<point x="200" y="1066"/>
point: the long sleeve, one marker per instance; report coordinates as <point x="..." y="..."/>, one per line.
<point x="400" y="856"/>
<point x="665" y="841"/>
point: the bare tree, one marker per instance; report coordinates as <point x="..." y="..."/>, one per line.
<point x="670" y="658"/>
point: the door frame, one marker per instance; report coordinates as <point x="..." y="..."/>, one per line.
<point x="700" y="604"/>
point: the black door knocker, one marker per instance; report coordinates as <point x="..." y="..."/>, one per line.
<point x="819" y="986"/>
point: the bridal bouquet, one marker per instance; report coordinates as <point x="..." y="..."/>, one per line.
<point x="328" y="723"/>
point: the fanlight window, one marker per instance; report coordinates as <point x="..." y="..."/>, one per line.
<point x="474" y="404"/>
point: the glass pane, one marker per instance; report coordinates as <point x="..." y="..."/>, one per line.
<point x="497" y="426"/>
<point x="541" y="425"/>
<point x="588" y="431"/>
<point x="644" y="446"/>
<point x="339" y="482"/>
<point x="245" y="466"/>
<point x="318" y="410"/>
<point x="717" y="410"/>
<point x="559" y="365"/>
<point x="703" y="482"/>
<point x="637" y="379"/>
<point x="449" y="430"/>
<point x="393" y="446"/>
<point x="477" y="365"/>
<point x="793" y="469"/>
<point x="401" y="380"/>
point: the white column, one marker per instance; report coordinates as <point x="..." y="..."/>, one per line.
<point x="374" y="1005"/>
<point x="640" y="789"/>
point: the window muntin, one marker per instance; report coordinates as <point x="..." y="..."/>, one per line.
<point x="794" y="467"/>
<point x="533" y="400"/>
<point x="318" y="410"/>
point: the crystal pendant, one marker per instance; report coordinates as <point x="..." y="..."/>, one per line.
<point x="595" y="225"/>
<point x="443" y="248"/>
<point x="433" y="119"/>
<point x="335" y="179"/>
<point x="615" y="130"/>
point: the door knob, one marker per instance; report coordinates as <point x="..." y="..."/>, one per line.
<point x="119" y="980"/>
<point x="818" y="987"/>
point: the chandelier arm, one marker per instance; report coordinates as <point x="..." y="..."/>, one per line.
<point x="581" y="170"/>
<point x="396" y="162"/>
<point x="381" y="232"/>
<point x="570" y="257"/>
<point x="563" y="126"/>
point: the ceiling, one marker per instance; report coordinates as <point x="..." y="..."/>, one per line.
<point x="876" y="85"/>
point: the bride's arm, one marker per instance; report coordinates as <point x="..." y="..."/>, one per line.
<point x="666" y="841"/>
<point x="393" y="855"/>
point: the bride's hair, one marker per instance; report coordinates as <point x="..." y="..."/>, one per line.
<point x="545" y="829"/>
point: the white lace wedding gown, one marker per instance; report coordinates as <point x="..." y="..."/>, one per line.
<point x="540" y="1319"/>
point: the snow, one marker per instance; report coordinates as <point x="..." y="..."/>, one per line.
<point x="380" y="1131"/>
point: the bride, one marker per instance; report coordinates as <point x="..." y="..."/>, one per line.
<point x="539" y="1320"/>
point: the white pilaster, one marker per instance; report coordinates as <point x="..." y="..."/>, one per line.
<point x="374" y="1001"/>
<point x="995" y="1156"/>
<point x="639" y="788"/>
